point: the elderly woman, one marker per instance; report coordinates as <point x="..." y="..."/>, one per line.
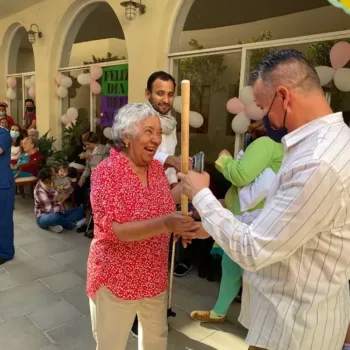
<point x="134" y="211"/>
<point x="29" y="162"/>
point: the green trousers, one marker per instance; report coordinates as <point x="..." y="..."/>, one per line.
<point x="229" y="286"/>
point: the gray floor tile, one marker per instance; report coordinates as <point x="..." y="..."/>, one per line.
<point x="70" y="256"/>
<point x="54" y="315"/>
<point x="24" y="299"/>
<point x="77" y="297"/>
<point x="45" y="248"/>
<point x="75" y="335"/>
<point x="78" y="267"/>
<point x="35" y="269"/>
<point x="27" y="238"/>
<point x="184" y="324"/>
<point x="20" y="333"/>
<point x="179" y="341"/>
<point x="63" y="281"/>
<point x="7" y="281"/>
<point x="2" y="270"/>
<point x="20" y="256"/>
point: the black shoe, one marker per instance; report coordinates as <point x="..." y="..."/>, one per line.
<point x="3" y="260"/>
<point x="89" y="234"/>
<point x="135" y="328"/>
<point x="182" y="270"/>
<point x="81" y="229"/>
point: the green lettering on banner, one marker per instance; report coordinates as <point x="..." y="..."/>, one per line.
<point x="115" y="81"/>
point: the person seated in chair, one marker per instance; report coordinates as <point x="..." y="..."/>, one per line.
<point x="17" y="137"/>
<point x="49" y="209"/>
<point x="29" y="162"/>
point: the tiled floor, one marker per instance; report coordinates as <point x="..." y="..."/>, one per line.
<point x="43" y="305"/>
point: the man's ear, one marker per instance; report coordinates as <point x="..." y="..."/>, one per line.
<point x="147" y="94"/>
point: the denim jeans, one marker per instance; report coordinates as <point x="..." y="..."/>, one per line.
<point x="66" y="219"/>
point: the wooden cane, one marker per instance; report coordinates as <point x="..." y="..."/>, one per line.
<point x="185" y="154"/>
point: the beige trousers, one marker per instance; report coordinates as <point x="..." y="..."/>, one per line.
<point x="112" y="319"/>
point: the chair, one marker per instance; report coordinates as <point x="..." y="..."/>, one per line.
<point x="28" y="180"/>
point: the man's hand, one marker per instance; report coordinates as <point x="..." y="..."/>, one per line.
<point x="193" y="182"/>
<point x="225" y="152"/>
<point x="175" y="162"/>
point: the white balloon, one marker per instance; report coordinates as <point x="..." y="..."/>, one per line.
<point x="66" y="82"/>
<point x="326" y="74"/>
<point x="28" y="83"/>
<point x="84" y="79"/>
<point x="11" y="94"/>
<point x="72" y="114"/>
<point x="177" y="104"/>
<point x="107" y="132"/>
<point x="32" y="80"/>
<point x="342" y="79"/>
<point x="196" y="119"/>
<point x="240" y="123"/>
<point x="62" y="92"/>
<point x="246" y="95"/>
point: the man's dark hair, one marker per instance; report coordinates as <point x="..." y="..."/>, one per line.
<point x="159" y="75"/>
<point x="288" y="66"/>
<point x="91" y="137"/>
<point x="29" y="100"/>
<point x="45" y="174"/>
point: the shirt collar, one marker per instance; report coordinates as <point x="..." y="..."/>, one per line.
<point x="311" y="128"/>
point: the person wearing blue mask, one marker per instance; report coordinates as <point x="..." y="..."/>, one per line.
<point x="7" y="198"/>
<point x="295" y="253"/>
<point x="17" y="137"/>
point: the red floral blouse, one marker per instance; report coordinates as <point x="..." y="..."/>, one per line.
<point x="130" y="270"/>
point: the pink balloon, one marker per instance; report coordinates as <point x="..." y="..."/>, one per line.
<point x="95" y="87"/>
<point x="65" y="120"/>
<point x="252" y="111"/>
<point x="31" y="92"/>
<point x="96" y="72"/>
<point x="11" y="82"/>
<point x="59" y="77"/>
<point x="340" y="54"/>
<point x="235" y="106"/>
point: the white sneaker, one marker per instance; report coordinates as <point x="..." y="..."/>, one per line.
<point x="56" y="229"/>
<point x="80" y="223"/>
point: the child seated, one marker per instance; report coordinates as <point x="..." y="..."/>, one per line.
<point x="62" y="182"/>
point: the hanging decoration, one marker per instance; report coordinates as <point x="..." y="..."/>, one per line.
<point x="107" y="133"/>
<point x="196" y="119"/>
<point x="84" y="79"/>
<point x="339" y="57"/>
<point x="11" y="94"/>
<point x="245" y="109"/>
<point x="11" y="82"/>
<point x="341" y="4"/>
<point x="62" y="92"/>
<point x="70" y="117"/>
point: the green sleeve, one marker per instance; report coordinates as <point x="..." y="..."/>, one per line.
<point x="257" y="157"/>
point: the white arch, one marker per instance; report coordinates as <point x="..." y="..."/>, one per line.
<point x="178" y="23"/>
<point x="10" y="46"/>
<point x="68" y="29"/>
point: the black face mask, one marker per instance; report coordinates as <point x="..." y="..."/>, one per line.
<point x="275" y="134"/>
<point x="30" y="109"/>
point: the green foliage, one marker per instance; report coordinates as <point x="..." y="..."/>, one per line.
<point x="71" y="136"/>
<point x="51" y="156"/>
<point x="204" y="73"/>
<point x="258" y="54"/>
<point x="318" y="53"/>
<point x="109" y="58"/>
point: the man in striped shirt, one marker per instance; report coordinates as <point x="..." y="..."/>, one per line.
<point x="296" y="253"/>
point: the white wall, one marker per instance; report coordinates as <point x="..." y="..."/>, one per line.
<point x="322" y="20"/>
<point x="83" y="51"/>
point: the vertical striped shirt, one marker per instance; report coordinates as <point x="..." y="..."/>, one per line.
<point x="296" y="253"/>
